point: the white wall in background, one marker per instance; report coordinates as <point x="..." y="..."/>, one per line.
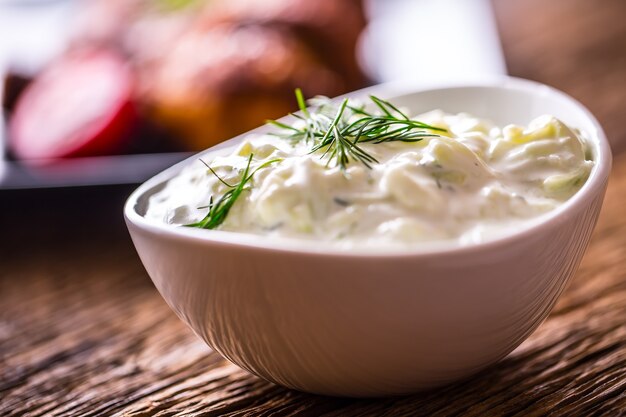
<point x="32" y="32"/>
<point x="431" y="41"/>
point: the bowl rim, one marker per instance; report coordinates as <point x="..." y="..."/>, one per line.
<point x="593" y="186"/>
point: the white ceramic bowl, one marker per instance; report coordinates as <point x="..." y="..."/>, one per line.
<point x="366" y="324"/>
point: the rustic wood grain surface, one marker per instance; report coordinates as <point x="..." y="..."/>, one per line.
<point x="84" y="332"/>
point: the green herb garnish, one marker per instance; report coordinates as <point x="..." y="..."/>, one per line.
<point x="339" y="130"/>
<point x="219" y="210"/>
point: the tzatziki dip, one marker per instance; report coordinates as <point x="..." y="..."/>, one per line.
<point x="372" y="175"/>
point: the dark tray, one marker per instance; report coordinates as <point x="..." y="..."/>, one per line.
<point x="102" y="170"/>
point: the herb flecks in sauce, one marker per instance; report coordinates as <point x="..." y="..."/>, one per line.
<point x="374" y="175"/>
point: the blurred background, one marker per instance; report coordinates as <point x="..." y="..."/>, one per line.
<point x="135" y="85"/>
<point x="99" y="95"/>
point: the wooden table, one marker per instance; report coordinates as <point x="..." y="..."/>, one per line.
<point x="83" y="331"/>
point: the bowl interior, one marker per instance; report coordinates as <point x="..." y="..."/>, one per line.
<point x="510" y="103"/>
<point x="503" y="101"/>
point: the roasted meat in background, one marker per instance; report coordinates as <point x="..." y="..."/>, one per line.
<point x="204" y="71"/>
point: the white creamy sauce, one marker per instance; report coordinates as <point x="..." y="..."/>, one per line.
<point x="475" y="182"/>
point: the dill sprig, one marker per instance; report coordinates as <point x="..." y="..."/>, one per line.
<point x="339" y="130"/>
<point x="219" y="210"/>
<point x="339" y="147"/>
